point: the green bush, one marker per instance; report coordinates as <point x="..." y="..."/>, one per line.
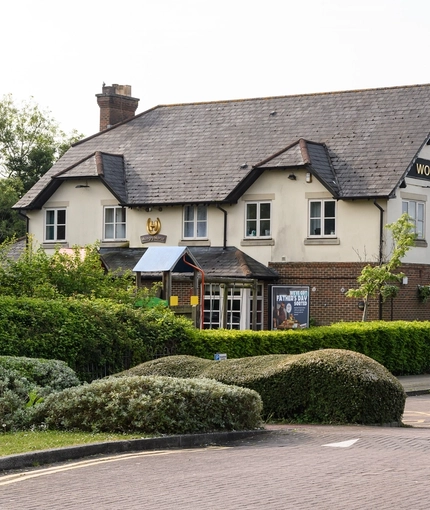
<point x="326" y="386"/>
<point x="91" y="336"/>
<point x="23" y="382"/>
<point x="159" y="405"/>
<point x="49" y="374"/>
<point x="402" y="347"/>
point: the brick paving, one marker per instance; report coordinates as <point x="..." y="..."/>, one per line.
<point x="291" y="468"/>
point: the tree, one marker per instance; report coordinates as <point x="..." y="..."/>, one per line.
<point x="30" y="141"/>
<point x="375" y="280"/>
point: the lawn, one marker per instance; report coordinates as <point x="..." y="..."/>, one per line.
<point x="28" y="441"/>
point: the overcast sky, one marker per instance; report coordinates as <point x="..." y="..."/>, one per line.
<point x="181" y="51"/>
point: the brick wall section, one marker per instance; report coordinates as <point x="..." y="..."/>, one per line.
<point x="115" y="109"/>
<point x="328" y="281"/>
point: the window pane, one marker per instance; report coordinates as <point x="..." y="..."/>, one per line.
<point x="329" y="209"/>
<point x="189" y="213"/>
<point x="329" y="227"/>
<point x="120" y="215"/>
<point x="50" y="233"/>
<point x="120" y="232"/>
<point x="189" y="229"/>
<point x="315" y="227"/>
<point x="61" y="217"/>
<point x="201" y="229"/>
<point x="109" y="215"/>
<point x="404" y="207"/>
<point x="265" y="228"/>
<point x="251" y="211"/>
<point x="109" y="231"/>
<point x="251" y="228"/>
<point x="61" y="233"/>
<point x="265" y="211"/>
<point x="315" y="209"/>
<point x="50" y="217"/>
<point x="201" y="213"/>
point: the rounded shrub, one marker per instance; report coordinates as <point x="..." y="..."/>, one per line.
<point x="158" y="405"/>
<point x="323" y="386"/>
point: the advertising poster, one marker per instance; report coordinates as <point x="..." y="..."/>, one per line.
<point x="290" y="307"/>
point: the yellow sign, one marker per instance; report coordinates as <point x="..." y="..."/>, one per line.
<point x="153" y="226"/>
<point x="194" y="300"/>
<point x="174" y="300"/>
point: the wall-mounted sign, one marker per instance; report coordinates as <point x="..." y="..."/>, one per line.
<point x="420" y="169"/>
<point x="290" y="307"/>
<point x="159" y="238"/>
<point x="153" y="228"/>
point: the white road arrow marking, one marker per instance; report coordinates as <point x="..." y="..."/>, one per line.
<point x="342" y="444"/>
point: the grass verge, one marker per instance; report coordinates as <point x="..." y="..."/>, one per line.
<point x="12" y="443"/>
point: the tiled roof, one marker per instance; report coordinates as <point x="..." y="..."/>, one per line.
<point x="195" y="153"/>
<point x="215" y="262"/>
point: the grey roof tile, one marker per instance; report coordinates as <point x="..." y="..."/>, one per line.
<point x="195" y="152"/>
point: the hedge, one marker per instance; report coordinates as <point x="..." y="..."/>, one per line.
<point x="324" y="386"/>
<point x="96" y="336"/>
<point x="158" y="405"/>
<point x="402" y="347"/>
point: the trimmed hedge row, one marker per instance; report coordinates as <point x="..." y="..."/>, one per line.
<point x="89" y="333"/>
<point x="402" y="347"/>
<point x="324" y="386"/>
<point x="161" y="405"/>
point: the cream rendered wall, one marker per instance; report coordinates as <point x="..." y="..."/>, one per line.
<point x="357" y="223"/>
<point x="416" y="189"/>
<point x="171" y="218"/>
<point x="84" y="212"/>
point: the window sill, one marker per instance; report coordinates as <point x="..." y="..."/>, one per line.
<point x="194" y="242"/>
<point x="50" y="245"/>
<point x="420" y="243"/>
<point x="322" y="241"/>
<point x="257" y="242"/>
<point x="114" y="244"/>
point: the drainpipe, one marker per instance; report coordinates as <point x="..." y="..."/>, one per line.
<point x="381" y="237"/>
<point x="225" y="225"/>
<point x="381" y="229"/>
<point x="202" y="291"/>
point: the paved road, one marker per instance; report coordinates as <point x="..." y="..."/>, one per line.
<point x="300" y="467"/>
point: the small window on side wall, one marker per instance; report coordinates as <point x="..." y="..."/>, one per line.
<point x="55" y="225"/>
<point x="322" y="218"/>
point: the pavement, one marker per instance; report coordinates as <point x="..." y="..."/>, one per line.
<point x="413" y="385"/>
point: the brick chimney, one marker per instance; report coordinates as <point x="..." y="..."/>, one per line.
<point x="116" y="105"/>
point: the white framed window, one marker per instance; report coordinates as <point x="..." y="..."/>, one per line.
<point x="114" y="223"/>
<point x="322" y="218"/>
<point x="258" y="219"/>
<point x="55" y="225"/>
<point x="239" y="304"/>
<point x="195" y="222"/>
<point x="416" y="211"/>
